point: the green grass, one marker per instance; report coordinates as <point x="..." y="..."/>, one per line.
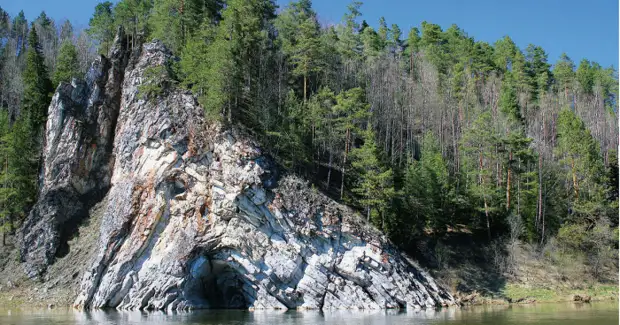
<point x="597" y="292"/>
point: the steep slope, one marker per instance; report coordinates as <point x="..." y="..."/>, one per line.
<point x="76" y="166"/>
<point x="196" y="216"/>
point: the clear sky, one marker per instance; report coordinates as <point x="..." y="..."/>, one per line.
<point x="581" y="28"/>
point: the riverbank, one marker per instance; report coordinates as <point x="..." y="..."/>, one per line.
<point x="598" y="292"/>
<point x="468" y="268"/>
<point x="514" y="295"/>
<point x="43" y="295"/>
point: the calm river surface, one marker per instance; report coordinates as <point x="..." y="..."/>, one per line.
<point x="549" y="314"/>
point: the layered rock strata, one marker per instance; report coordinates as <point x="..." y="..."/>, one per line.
<point x="196" y="216"/>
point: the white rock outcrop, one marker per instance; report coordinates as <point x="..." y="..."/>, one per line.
<point x="196" y="216"/>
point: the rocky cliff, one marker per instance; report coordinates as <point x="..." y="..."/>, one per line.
<point x="194" y="215"/>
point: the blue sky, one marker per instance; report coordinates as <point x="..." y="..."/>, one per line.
<point x="582" y="29"/>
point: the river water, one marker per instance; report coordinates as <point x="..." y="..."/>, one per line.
<point x="549" y="314"/>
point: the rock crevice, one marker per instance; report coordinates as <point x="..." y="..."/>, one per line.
<point x="77" y="157"/>
<point x="197" y="216"/>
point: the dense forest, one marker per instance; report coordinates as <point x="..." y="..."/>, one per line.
<point x="424" y="132"/>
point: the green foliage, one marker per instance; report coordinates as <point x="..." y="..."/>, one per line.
<point x="157" y="80"/>
<point x="299" y="36"/>
<point x="175" y="21"/>
<point x="37" y="85"/>
<point x="19" y="154"/>
<point x="413" y="40"/>
<point x="289" y="142"/>
<point x="371" y="44"/>
<point x="67" y="65"/>
<point x="595" y="241"/>
<point x="20" y="143"/>
<point x="167" y="23"/>
<point x="508" y="101"/>
<point x="537" y="70"/>
<point x="585" y="177"/>
<point x="585" y="75"/>
<point x="349" y="44"/>
<point x="395" y="41"/>
<point x="374" y="183"/>
<point x="580" y="157"/>
<point x="220" y="59"/>
<point x="101" y="26"/>
<point x="427" y="190"/>
<point x="133" y="15"/>
<point x="564" y="72"/>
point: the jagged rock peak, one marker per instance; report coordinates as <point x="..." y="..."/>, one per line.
<point x="197" y="216"/>
<point x="76" y="157"/>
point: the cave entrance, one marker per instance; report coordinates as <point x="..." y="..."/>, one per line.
<point x="219" y="286"/>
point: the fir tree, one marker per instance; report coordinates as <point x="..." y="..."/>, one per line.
<point x="101" y="26"/>
<point x="67" y="66"/>
<point x="37" y="85"/>
<point x="374" y="185"/>
<point x="581" y="159"/>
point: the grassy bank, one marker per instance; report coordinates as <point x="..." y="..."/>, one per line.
<point x="598" y="292"/>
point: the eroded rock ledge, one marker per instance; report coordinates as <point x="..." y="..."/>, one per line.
<point x="197" y="216"/>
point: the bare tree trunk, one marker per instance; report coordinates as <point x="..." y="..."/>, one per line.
<point x="540" y="185"/>
<point x="542" y="213"/>
<point x="574" y="172"/>
<point x="305" y="87"/>
<point x="498" y="170"/>
<point x="329" y="169"/>
<point x="486" y="205"/>
<point x="486" y="213"/>
<point x="518" y="176"/>
<point x="344" y="163"/>
<point x="508" y="182"/>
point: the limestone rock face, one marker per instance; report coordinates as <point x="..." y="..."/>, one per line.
<point x="198" y="217"/>
<point x="76" y="167"/>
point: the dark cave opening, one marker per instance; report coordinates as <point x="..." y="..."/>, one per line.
<point x="216" y="285"/>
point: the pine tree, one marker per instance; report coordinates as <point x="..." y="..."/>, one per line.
<point x="585" y="75"/>
<point x="166" y="23"/>
<point x="374" y="185"/>
<point x="371" y="44"/>
<point x="19" y="32"/>
<point x="349" y="44"/>
<point x="225" y="63"/>
<point x="508" y="101"/>
<point x="505" y="51"/>
<point x="413" y="47"/>
<point x="427" y="190"/>
<point x="37" y="85"/>
<point x="382" y="33"/>
<point x="174" y="22"/>
<point x="101" y="26"/>
<point x="5" y="23"/>
<point x="479" y="142"/>
<point x="18" y="171"/>
<point x="350" y="111"/>
<point x="564" y="73"/>
<point x="300" y="40"/>
<point x="537" y="70"/>
<point x="395" y="41"/>
<point x="67" y="66"/>
<point x="133" y="16"/>
<point x="585" y="173"/>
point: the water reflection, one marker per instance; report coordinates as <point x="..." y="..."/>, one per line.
<point x="550" y="314"/>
